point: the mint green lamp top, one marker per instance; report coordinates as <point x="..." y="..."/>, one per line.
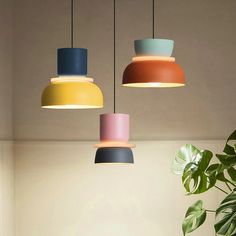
<point x="154" y="47"/>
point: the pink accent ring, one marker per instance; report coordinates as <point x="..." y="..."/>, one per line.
<point x="114" y="127"/>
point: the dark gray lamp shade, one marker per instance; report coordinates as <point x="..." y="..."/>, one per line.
<point x="114" y="155"/>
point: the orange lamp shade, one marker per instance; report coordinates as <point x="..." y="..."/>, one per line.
<point x="153" y="73"/>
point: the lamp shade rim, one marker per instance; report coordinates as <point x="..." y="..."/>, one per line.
<point x="114" y="114"/>
<point x="153" y="85"/>
<point x="110" y="143"/>
<point x="76" y="48"/>
<point x="71" y="106"/>
<point x="155" y="39"/>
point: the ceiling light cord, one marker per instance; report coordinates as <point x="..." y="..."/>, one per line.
<point x="114" y="21"/>
<point x="153" y="19"/>
<point x="72" y="24"/>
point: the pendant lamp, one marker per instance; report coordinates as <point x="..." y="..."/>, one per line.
<point x="153" y="64"/>
<point x="72" y="88"/>
<point x="114" y="130"/>
<point x="114" y="137"/>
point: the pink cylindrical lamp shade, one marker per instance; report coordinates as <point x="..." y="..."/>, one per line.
<point x="114" y="127"/>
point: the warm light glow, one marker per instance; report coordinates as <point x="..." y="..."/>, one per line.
<point x="114" y="144"/>
<point x="63" y="79"/>
<point x="152" y="58"/>
<point x="153" y="85"/>
<point x="71" y="107"/>
<point x="115" y="163"/>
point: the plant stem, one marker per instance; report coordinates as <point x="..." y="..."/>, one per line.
<point x="229" y="182"/>
<point x="210" y="211"/>
<point x="228" y="186"/>
<point x="221" y="189"/>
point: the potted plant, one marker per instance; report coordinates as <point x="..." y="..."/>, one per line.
<point x="200" y="173"/>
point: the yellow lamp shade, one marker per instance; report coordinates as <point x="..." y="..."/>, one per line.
<point x="72" y="95"/>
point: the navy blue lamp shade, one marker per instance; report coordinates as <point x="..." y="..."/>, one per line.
<point x="72" y="61"/>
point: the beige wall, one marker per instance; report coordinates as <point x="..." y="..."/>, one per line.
<point x="59" y="191"/>
<point x="7" y="203"/>
<point x="6" y="147"/>
<point x="204" y="34"/>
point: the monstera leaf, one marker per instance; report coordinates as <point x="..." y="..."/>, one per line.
<point x="194" y="217"/>
<point x="185" y="155"/>
<point x="198" y="176"/>
<point x="226" y="174"/>
<point x="230" y="150"/>
<point x="229" y="163"/>
<point x="226" y="216"/>
<point x="227" y="160"/>
<point x="232" y="173"/>
<point x="195" y="178"/>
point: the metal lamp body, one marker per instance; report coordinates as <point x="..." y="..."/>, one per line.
<point x="72" y="89"/>
<point x="114" y="137"/>
<point x="153" y="65"/>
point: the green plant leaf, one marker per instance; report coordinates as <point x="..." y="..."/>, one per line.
<point x="213" y="169"/>
<point x="227" y="160"/>
<point x="228" y="163"/>
<point x="226" y="216"/>
<point x="185" y="155"/>
<point x="228" y="149"/>
<point x="194" y="217"/>
<point x="218" y="170"/>
<point x="232" y="173"/>
<point x="195" y="178"/>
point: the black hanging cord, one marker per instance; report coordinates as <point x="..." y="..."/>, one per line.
<point x="114" y="55"/>
<point x="72" y="24"/>
<point x="153" y="19"/>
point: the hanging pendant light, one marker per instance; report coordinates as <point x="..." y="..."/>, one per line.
<point x="72" y="89"/>
<point x="114" y="137"/>
<point x="153" y="65"/>
<point x="114" y="129"/>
